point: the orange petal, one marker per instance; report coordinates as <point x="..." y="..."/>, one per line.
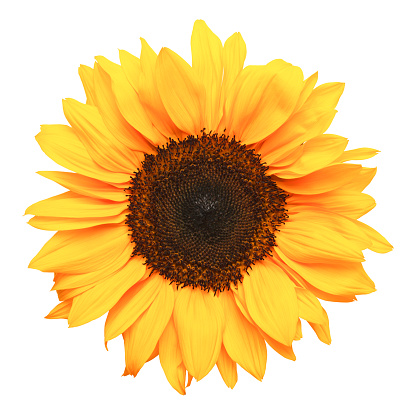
<point x="323" y="180"/>
<point x="234" y="53"/>
<point x="181" y="91"/>
<point x="132" y="304"/>
<point x="207" y="63"/>
<point x="62" y="145"/>
<point x="271" y="301"/>
<point x="314" y="237"/>
<point x="131" y="66"/>
<point x="86" y="76"/>
<point x="228" y="368"/>
<point x="62" y="310"/>
<point x="64" y="280"/>
<point x="62" y="224"/>
<point x="308" y="86"/>
<point x="149" y="95"/>
<point x="170" y="358"/>
<point x="339" y="278"/>
<point x="357" y="154"/>
<point x="103" y="296"/>
<point x="322" y="330"/>
<point x="72" y="205"/>
<point x="199" y="320"/>
<point x="101" y="145"/>
<point x="317" y="153"/>
<point x="84" y="185"/>
<point x="351" y="204"/>
<point x="142" y="336"/>
<point x="111" y="115"/>
<point x="310" y="308"/>
<point x="301" y="127"/>
<point x="129" y="103"/>
<point x="65" y="295"/>
<point x="325" y="96"/>
<point x="82" y="250"/>
<point x="242" y="340"/>
<point x="379" y="242"/>
<point x="260" y="101"/>
<point x="361" y="180"/>
<point x="283" y="350"/>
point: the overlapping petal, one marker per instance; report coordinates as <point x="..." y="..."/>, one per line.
<point x="260" y="101"/>
<point x="271" y="300"/>
<point x="181" y="91"/>
<point x="200" y="322"/>
<point x="207" y="63"/>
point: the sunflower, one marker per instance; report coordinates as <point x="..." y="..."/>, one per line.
<point x="207" y="210"/>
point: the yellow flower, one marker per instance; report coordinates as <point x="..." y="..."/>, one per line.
<point x="208" y="210"/>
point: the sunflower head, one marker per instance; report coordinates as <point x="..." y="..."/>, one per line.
<point x="207" y="210"/>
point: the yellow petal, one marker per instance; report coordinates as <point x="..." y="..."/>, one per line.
<point x="308" y="86"/>
<point x="228" y="368"/>
<point x="143" y="335"/>
<point x="62" y="224"/>
<point x="207" y="63"/>
<point x="361" y="180"/>
<point x="298" y="335"/>
<point x="307" y="239"/>
<point x="149" y="95"/>
<point x="181" y="91"/>
<point x="301" y="127"/>
<point x="102" y="146"/>
<point x="338" y="278"/>
<point x="199" y="320"/>
<point x="326" y="96"/>
<point x="271" y="301"/>
<point x="347" y="227"/>
<point x="65" y="280"/>
<point x="357" y="154"/>
<point x="71" y="205"/>
<point x="86" y="76"/>
<point x="242" y="340"/>
<point x="129" y="103"/>
<point x="82" y="250"/>
<point x="170" y="358"/>
<point x="283" y="350"/>
<point x="234" y="53"/>
<point x="317" y="153"/>
<point x="62" y="145"/>
<point x="131" y="66"/>
<point x="189" y="379"/>
<point x="379" y="242"/>
<point x="153" y="354"/>
<point x="111" y="115"/>
<point x="322" y="330"/>
<point x="62" y="310"/>
<point x="310" y="308"/>
<point x="323" y="180"/>
<point x="132" y="304"/>
<point x="352" y="204"/>
<point x="301" y="282"/>
<point x="64" y="295"/>
<point x="103" y="296"/>
<point x="239" y="295"/>
<point x="84" y="185"/>
<point x="312" y="119"/>
<point x="260" y="101"/>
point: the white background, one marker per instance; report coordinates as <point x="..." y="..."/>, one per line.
<point x="371" y="46"/>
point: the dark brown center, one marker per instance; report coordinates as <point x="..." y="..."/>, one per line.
<point x="203" y="210"/>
